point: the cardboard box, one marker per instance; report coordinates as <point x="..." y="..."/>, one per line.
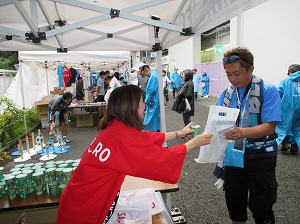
<point x="60" y="92"/>
<point x="84" y="120"/>
<point x="42" y="109"/>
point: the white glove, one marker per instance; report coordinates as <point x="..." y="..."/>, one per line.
<point x="219" y="183"/>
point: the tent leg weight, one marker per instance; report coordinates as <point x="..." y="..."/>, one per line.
<point x="179" y="220"/>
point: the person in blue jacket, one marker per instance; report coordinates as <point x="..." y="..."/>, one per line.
<point x="289" y="130"/>
<point x="175" y="79"/>
<point x="196" y="80"/>
<point x="152" y="115"/>
<point x="205" y="84"/>
<point x="251" y="154"/>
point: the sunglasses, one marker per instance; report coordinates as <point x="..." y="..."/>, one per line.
<point x="233" y="58"/>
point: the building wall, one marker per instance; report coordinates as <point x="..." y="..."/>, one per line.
<point x="272" y="32"/>
<point x="182" y="55"/>
<point x="209" y="55"/>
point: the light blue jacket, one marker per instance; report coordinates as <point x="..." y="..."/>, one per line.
<point x="196" y="80"/>
<point x="289" y="91"/>
<point x="152" y="116"/>
<point x="205" y="80"/>
<point x="175" y="79"/>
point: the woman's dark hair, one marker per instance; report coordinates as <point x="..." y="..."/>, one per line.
<point x="188" y="74"/>
<point x="123" y="105"/>
<point x="117" y="75"/>
<point x="108" y="78"/>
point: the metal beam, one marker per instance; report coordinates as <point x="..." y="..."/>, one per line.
<point x="26" y="18"/>
<point x="133" y="41"/>
<point x="116" y="35"/>
<point x="33" y="12"/>
<point x="22" y="40"/>
<point x="85" y="6"/>
<point x="47" y="17"/>
<point x="129" y="29"/>
<point x="86" y="43"/>
<point x="92" y="31"/>
<point x="77" y="25"/>
<point x="151" y="22"/>
<point x="12" y="31"/>
<point x="5" y="2"/>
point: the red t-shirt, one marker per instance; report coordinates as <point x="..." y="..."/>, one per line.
<point x="66" y="76"/>
<point x="116" y="151"/>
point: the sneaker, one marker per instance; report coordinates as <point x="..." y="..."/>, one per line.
<point x="67" y="140"/>
<point x="294" y="149"/>
<point x="166" y="105"/>
<point x="285" y="146"/>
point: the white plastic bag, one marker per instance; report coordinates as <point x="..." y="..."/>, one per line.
<point x="220" y="120"/>
<point x="137" y="207"/>
<point x="187" y="106"/>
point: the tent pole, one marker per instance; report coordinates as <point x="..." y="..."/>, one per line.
<point x="47" y="80"/>
<point x="161" y="94"/>
<point x="23" y="100"/>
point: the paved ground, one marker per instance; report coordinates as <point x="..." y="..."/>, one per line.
<point x="198" y="198"/>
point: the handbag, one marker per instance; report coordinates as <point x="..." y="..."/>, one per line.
<point x="187" y="106"/>
<point x="179" y="104"/>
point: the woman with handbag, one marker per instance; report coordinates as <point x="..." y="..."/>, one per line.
<point x="188" y="92"/>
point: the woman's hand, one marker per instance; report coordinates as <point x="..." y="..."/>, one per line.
<point x="203" y="139"/>
<point x="187" y="129"/>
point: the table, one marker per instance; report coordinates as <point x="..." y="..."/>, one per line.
<point x="86" y="106"/>
<point x="49" y="202"/>
<point x="85" y="117"/>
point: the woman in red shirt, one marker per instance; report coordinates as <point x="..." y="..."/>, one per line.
<point x="121" y="148"/>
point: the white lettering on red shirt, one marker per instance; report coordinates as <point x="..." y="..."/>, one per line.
<point x="103" y="153"/>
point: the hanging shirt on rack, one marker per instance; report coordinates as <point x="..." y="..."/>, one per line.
<point x="67" y="76"/>
<point x="60" y="73"/>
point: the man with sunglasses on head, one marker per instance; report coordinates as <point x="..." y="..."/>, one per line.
<point x="248" y="167"/>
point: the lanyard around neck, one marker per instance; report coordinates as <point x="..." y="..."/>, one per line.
<point x="239" y="104"/>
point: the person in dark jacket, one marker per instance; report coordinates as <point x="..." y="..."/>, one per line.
<point x="188" y="92"/>
<point x="79" y="89"/>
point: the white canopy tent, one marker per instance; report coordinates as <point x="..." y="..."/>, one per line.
<point x="37" y="73"/>
<point x="86" y="25"/>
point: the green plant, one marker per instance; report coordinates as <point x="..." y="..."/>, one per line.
<point x="12" y="122"/>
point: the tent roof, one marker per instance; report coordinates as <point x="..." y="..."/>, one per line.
<point x="114" y="25"/>
<point x="96" y="60"/>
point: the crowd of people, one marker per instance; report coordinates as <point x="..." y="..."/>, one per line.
<point x="268" y="117"/>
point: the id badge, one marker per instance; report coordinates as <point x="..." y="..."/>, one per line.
<point x="239" y="144"/>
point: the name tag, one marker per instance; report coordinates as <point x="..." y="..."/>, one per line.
<point x="269" y="149"/>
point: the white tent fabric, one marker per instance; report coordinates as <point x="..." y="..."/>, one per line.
<point x="109" y="25"/>
<point x="31" y="82"/>
<point x="37" y="73"/>
<point x="96" y="60"/>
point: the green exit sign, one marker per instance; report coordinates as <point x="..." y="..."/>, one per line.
<point x="218" y="49"/>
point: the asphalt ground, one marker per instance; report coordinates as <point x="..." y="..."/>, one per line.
<point x="198" y="199"/>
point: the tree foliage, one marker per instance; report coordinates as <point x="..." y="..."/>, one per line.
<point x="8" y="59"/>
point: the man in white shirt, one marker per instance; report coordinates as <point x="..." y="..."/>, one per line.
<point x="166" y="84"/>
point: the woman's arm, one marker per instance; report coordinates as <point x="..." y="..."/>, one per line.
<point x="178" y="134"/>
